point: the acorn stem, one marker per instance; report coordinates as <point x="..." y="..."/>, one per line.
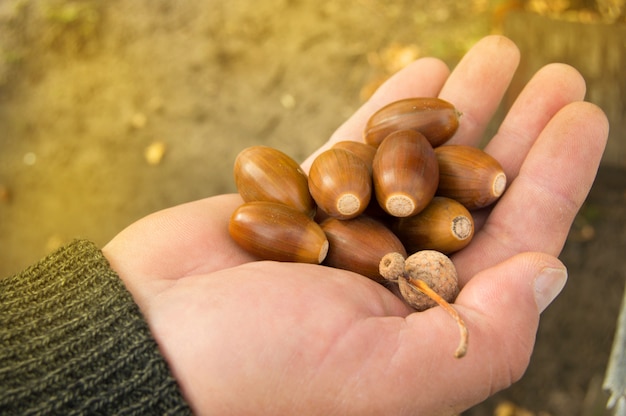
<point x="423" y="287"/>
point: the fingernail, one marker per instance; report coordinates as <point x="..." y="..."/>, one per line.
<point x="548" y="284"/>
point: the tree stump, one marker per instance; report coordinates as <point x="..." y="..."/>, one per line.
<point x="597" y="50"/>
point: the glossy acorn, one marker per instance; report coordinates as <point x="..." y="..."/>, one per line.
<point x="359" y="244"/>
<point x="364" y="151"/>
<point x="340" y="183"/>
<point x="263" y="173"/>
<point x="274" y="231"/>
<point x="444" y="225"/>
<point x="433" y="117"/>
<point x="469" y="175"/>
<point x="405" y="173"/>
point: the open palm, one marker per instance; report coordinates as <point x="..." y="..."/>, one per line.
<point x="254" y="337"/>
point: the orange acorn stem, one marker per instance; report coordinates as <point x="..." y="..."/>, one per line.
<point x="425" y="289"/>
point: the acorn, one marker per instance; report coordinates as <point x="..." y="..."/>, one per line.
<point x="437" y="271"/>
<point x="425" y="279"/>
<point x="362" y="150"/>
<point x="340" y="183"/>
<point x="263" y="173"/>
<point x="405" y="173"/>
<point x="274" y="231"/>
<point x="366" y="153"/>
<point x="359" y="244"/>
<point x="435" y="118"/>
<point x="444" y="225"/>
<point x="469" y="175"/>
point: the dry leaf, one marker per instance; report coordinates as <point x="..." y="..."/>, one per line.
<point x="154" y="153"/>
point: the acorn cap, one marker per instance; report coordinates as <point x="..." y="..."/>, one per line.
<point x="436" y="270"/>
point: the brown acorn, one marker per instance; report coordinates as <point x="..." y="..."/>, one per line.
<point x="444" y="225"/>
<point x="340" y="183"/>
<point x="469" y="175"/>
<point x="435" y="118"/>
<point x="263" y="173"/>
<point x="362" y="150"/>
<point x="359" y="244"/>
<point x="274" y="231"/>
<point x="405" y="173"/>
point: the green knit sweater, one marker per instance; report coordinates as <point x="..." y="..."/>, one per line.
<point x="72" y="341"/>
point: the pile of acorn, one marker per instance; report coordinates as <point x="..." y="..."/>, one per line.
<point x="365" y="205"/>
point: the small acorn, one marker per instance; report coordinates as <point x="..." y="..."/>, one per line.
<point x="263" y="173"/>
<point x="469" y="175"/>
<point x="274" y="231"/>
<point x="425" y="279"/>
<point x="362" y="150"/>
<point x="340" y="183"/>
<point x="444" y="225"/>
<point x="359" y="244"/>
<point x="437" y="271"/>
<point x="435" y="118"/>
<point x="405" y="173"/>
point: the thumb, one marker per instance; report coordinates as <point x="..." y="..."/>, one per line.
<point x="530" y="279"/>
<point x="501" y="307"/>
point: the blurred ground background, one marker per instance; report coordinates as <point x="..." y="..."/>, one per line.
<point x="110" y="110"/>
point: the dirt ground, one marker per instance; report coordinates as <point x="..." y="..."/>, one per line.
<point x="110" y="110"/>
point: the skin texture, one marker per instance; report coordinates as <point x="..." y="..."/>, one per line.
<point x="256" y="337"/>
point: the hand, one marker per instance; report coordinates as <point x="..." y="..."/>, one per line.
<point x="256" y="337"/>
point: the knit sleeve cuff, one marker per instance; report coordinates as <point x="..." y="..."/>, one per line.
<point x="73" y="341"/>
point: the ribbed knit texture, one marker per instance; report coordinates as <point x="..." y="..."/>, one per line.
<point x="72" y="341"/>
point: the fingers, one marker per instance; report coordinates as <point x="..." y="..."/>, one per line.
<point x="537" y="210"/>
<point x="553" y="87"/>
<point x="477" y="85"/>
<point x="422" y="78"/>
<point x="501" y="308"/>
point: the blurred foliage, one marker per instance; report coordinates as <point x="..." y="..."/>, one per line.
<point x="608" y="11"/>
<point x="72" y="25"/>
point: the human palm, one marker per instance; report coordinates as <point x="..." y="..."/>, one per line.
<point x="254" y="337"/>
